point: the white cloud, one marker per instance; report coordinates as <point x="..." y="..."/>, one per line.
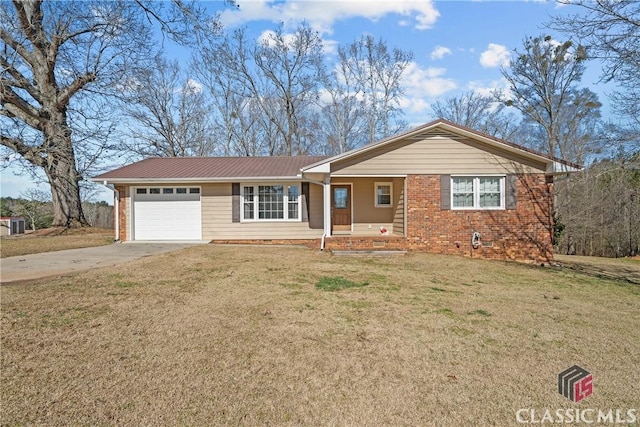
<point x="495" y="55"/>
<point x="193" y="86"/>
<point x="439" y="52"/>
<point x="487" y="88"/>
<point x="321" y="15"/>
<point x="422" y="84"/>
<point x="330" y="46"/>
<point x="268" y="38"/>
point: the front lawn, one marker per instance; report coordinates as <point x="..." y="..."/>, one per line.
<point x="268" y="335"/>
<point x="54" y="239"/>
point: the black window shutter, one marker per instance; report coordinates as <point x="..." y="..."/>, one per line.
<point x="445" y="192"/>
<point x="305" y="202"/>
<point x="511" y="198"/>
<point x="235" y="202"/>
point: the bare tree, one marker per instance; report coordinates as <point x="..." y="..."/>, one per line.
<point x="477" y="111"/>
<point x="602" y="219"/>
<point x="377" y="72"/>
<point x="543" y="84"/>
<point x="170" y="114"/>
<point x="34" y="204"/>
<point x="290" y="71"/>
<point x="611" y="31"/>
<point x="280" y="74"/>
<point x="59" y="60"/>
<point x="236" y="114"/>
<point x="343" y="119"/>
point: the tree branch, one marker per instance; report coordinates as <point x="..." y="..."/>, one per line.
<point x="31" y="154"/>
<point x="31" y="23"/>
<point x="18" y="107"/>
<point x="19" y="80"/>
<point x="67" y="92"/>
<point x="17" y="47"/>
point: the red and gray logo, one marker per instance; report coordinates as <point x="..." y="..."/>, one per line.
<point x="575" y="383"/>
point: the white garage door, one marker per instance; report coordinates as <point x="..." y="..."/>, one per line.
<point x="167" y="213"/>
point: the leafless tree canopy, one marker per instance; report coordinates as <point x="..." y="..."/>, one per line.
<point x="611" y="31"/>
<point x="274" y="96"/>
<point x="170" y="114"/>
<point x="476" y="111"/>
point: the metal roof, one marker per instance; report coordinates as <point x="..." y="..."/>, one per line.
<point x="211" y="168"/>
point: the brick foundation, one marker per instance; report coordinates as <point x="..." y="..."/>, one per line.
<point x="349" y="243"/>
<point x="310" y="243"/>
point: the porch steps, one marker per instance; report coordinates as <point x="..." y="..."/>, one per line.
<point x="371" y="253"/>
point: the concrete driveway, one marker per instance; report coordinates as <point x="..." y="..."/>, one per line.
<point x="51" y="264"/>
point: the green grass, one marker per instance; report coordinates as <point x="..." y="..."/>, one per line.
<point x="337" y="283"/>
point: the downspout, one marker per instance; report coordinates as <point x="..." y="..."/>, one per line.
<point x="326" y="233"/>
<point x="116" y="210"/>
<point x="326" y="186"/>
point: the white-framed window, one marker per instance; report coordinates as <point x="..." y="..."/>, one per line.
<point x="384" y="194"/>
<point x="477" y="192"/>
<point x="271" y="202"/>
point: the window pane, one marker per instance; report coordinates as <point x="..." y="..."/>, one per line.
<point x="490" y="192"/>
<point x="141" y="191"/>
<point x="462" y="190"/>
<point x="154" y="191"/>
<point x="167" y="191"/>
<point x="490" y="200"/>
<point x="181" y="191"/>
<point x="292" y="196"/>
<point x="194" y="191"/>
<point x="463" y="200"/>
<point x="270" y="202"/>
<point x="248" y="193"/>
<point x="463" y="185"/>
<point x="383" y="195"/>
<point x="340" y="198"/>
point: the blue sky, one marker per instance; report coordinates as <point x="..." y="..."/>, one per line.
<point x="457" y="45"/>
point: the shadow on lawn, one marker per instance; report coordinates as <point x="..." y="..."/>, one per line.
<point x="628" y="272"/>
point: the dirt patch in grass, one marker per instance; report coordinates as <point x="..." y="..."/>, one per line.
<point x="220" y="335"/>
<point x="54" y="239"/>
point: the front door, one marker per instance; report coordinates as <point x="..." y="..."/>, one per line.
<point x="341" y="207"/>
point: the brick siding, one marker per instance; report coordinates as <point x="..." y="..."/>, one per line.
<point x="522" y="234"/>
<point x="122" y="211"/>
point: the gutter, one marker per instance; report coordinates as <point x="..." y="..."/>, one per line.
<point x="324" y="233"/>
<point x="196" y="180"/>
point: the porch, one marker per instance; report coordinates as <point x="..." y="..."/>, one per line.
<point x="365" y="207"/>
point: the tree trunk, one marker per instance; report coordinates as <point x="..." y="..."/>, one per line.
<point x="60" y="168"/>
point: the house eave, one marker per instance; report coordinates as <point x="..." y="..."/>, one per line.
<point x="195" y="180"/>
<point x="559" y="168"/>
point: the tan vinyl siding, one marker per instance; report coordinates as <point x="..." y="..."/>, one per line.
<point x="429" y="154"/>
<point x="316" y="207"/>
<point x="367" y="218"/>
<point x="398" y="217"/>
<point x="216" y="218"/>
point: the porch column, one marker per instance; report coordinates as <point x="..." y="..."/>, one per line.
<point x="327" y="205"/>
